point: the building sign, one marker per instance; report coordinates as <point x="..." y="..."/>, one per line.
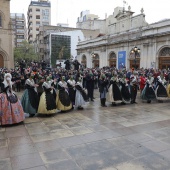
<point x="121" y="59"/>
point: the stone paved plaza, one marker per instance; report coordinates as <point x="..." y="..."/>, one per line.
<point x="130" y="137"/>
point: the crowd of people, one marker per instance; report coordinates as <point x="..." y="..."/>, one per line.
<point x="45" y="91"/>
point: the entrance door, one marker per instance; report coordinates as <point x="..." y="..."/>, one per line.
<point x="1" y="61"/>
<point x="133" y="65"/>
<point x="96" y="63"/>
<point x="164" y="62"/>
<point x="112" y="62"/>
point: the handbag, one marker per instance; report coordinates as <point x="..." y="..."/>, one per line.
<point x="12" y="98"/>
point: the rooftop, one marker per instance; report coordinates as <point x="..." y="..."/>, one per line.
<point x="40" y="3"/>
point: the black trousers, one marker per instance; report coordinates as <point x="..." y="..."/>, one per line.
<point x="134" y="90"/>
<point x="90" y="92"/>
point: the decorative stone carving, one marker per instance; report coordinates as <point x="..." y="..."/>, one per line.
<point x="142" y="11"/>
<point x="165" y="52"/>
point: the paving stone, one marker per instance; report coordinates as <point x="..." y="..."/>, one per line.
<point x="42" y="137"/>
<point x="3" y="143"/>
<point x="139" y="137"/>
<point x="61" y="133"/>
<point x="54" y="127"/>
<point x="103" y="159"/>
<point x="63" y="165"/>
<point x="31" y="120"/>
<point x="151" y="162"/>
<point x="5" y="164"/>
<point x="165" y="154"/>
<point x="17" y="141"/>
<point x="54" y="156"/>
<point x="120" y="142"/>
<point x="97" y="128"/>
<point x="16" y="133"/>
<point x="80" y="130"/>
<point x="70" y="141"/>
<point x="38" y="168"/>
<point x="4" y="153"/>
<point x="156" y="146"/>
<point x="16" y="150"/>
<point x="2" y="135"/>
<point x="47" y="145"/>
<point x="26" y="161"/>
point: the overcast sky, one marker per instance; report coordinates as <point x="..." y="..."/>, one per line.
<point x="64" y="11"/>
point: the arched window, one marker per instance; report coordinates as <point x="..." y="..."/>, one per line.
<point x="164" y="58"/>
<point x="112" y="59"/>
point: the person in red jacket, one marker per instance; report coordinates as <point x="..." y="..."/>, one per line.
<point x="142" y="82"/>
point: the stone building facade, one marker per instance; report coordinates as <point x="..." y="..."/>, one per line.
<point x="6" y="37"/>
<point x="123" y="32"/>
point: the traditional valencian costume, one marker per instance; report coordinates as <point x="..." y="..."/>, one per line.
<point x="63" y="101"/>
<point x="148" y="92"/>
<point x="29" y="98"/>
<point x="81" y="96"/>
<point x="133" y="87"/>
<point x="11" y="110"/>
<point x="125" y="92"/>
<point x="161" y="92"/>
<point x="71" y="89"/>
<point x="47" y="103"/>
<point x="114" y="93"/>
<point x="103" y="89"/>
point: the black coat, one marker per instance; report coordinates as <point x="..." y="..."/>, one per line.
<point x="76" y="65"/>
<point x="103" y="84"/>
<point x="67" y="65"/>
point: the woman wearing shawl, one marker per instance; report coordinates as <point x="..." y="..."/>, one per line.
<point x="71" y="89"/>
<point x="161" y="92"/>
<point x="148" y="92"/>
<point x="125" y="92"/>
<point x="11" y="110"/>
<point x="30" y="98"/>
<point x="47" y="103"/>
<point x="114" y="94"/>
<point x="81" y="96"/>
<point x="63" y="101"/>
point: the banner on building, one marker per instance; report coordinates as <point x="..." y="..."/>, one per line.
<point x="121" y="59"/>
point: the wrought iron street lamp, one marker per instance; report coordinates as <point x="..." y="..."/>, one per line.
<point x="136" y="52"/>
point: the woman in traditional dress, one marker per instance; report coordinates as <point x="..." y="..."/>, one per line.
<point x="161" y="92"/>
<point x="29" y="98"/>
<point x="81" y="96"/>
<point x="11" y="110"/>
<point x="47" y="104"/>
<point x="148" y="92"/>
<point x="125" y="92"/>
<point x="103" y="89"/>
<point x="63" y="101"/>
<point x="71" y="89"/>
<point x="134" y="86"/>
<point x="114" y="93"/>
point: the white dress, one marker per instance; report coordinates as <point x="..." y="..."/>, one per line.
<point x="79" y="100"/>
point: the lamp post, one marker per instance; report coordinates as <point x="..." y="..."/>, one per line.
<point x="136" y="52"/>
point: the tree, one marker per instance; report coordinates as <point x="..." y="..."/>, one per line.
<point x="25" y="52"/>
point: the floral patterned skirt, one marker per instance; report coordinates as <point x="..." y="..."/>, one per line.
<point x="10" y="113"/>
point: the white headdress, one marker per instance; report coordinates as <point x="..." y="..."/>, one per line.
<point x="5" y="80"/>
